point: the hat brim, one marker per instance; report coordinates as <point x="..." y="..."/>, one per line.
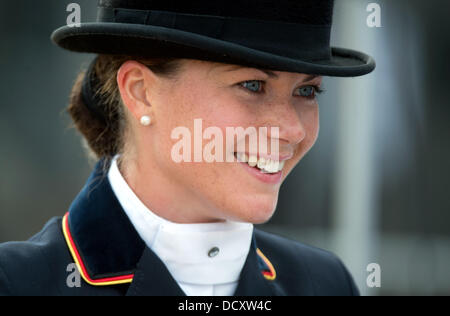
<point x="155" y="41"/>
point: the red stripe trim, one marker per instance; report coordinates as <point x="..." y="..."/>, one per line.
<point x="268" y="273"/>
<point x="84" y="273"/>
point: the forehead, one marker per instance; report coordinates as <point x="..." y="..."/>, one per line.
<point x="216" y="68"/>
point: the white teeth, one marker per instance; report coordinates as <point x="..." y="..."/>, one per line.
<point x="265" y="165"/>
<point x="253" y="161"/>
<point x="262" y="163"/>
<point x="242" y="157"/>
<point x="268" y="166"/>
<point x="271" y="167"/>
<point x="276" y="166"/>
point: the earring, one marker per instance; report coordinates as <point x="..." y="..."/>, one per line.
<point x="146" y="120"/>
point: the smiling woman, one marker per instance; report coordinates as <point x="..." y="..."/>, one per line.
<point x="149" y="224"/>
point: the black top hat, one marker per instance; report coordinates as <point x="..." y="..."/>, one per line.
<point x="284" y="35"/>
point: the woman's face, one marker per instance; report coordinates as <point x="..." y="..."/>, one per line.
<point x="221" y="96"/>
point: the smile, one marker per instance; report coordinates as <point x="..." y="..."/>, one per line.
<point x="265" y="170"/>
<point x="264" y="165"/>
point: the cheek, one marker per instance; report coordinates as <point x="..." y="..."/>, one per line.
<point x="177" y="106"/>
<point x="311" y="124"/>
<point x="188" y="103"/>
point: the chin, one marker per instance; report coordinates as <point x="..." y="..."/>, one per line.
<point x="257" y="210"/>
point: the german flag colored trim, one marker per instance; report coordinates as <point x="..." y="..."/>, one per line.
<point x="80" y="265"/>
<point x="271" y="274"/>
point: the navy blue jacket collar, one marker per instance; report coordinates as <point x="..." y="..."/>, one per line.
<point x="109" y="251"/>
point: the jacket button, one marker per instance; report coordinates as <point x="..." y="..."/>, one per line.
<point x="213" y="252"/>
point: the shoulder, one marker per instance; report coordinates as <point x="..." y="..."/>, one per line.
<point x="302" y="269"/>
<point x="26" y="266"/>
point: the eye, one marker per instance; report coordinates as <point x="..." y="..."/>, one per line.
<point x="254" y="86"/>
<point x="309" y="91"/>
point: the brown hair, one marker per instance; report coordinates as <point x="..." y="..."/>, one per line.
<point x="105" y="138"/>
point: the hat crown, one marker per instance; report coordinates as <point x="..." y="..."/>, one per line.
<point x="284" y="35"/>
<point x="315" y="12"/>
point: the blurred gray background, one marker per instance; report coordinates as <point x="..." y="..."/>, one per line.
<point x="374" y="189"/>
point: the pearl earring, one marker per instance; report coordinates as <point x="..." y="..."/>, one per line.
<point x="146" y="120"/>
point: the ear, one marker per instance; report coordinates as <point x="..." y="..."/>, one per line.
<point x="135" y="81"/>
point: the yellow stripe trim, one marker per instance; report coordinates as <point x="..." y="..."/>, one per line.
<point x="269" y="264"/>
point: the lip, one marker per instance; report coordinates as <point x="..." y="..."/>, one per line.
<point x="269" y="178"/>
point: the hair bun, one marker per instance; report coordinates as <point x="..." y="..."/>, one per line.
<point x="91" y="98"/>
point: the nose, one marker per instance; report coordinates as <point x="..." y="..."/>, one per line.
<point x="288" y="119"/>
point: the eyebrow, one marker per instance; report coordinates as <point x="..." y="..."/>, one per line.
<point x="270" y="73"/>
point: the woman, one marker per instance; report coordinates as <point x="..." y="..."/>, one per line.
<point x="158" y="216"/>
